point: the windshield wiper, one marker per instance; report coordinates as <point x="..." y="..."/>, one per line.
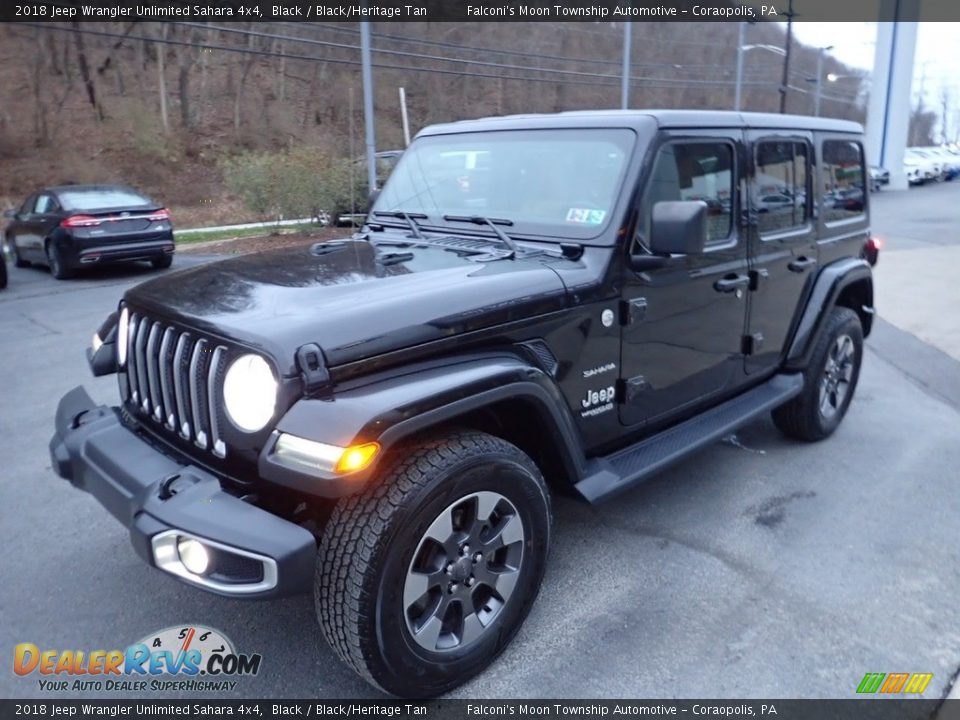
<point x="492" y="222"/>
<point x="409" y="218"/>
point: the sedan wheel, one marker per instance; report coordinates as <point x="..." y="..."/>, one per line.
<point x="54" y="261"/>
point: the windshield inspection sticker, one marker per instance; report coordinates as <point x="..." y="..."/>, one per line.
<point x="586" y="216"/>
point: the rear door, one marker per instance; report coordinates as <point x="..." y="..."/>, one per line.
<point x="683" y="322"/>
<point x="782" y="241"/>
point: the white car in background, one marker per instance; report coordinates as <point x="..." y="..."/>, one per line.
<point x="913" y="171"/>
<point x="930" y="166"/>
<point x="948" y="159"/>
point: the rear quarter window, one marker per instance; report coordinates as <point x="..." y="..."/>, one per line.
<point x="843" y="180"/>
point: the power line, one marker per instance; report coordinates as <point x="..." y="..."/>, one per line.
<point x="604" y="80"/>
<point x="419" y="56"/>
<point x="496" y="51"/>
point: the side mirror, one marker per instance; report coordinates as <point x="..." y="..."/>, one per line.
<point x="10" y="213"/>
<point x="678" y="227"/>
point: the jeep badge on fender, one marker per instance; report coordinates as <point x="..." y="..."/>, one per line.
<point x="535" y="302"/>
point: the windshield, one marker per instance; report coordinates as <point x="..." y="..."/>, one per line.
<point x="547" y="182"/>
<point x="101" y="198"/>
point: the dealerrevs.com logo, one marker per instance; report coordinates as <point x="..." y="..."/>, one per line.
<point x="187" y="657"/>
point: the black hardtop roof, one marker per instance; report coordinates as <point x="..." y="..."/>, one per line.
<point x="632" y="118"/>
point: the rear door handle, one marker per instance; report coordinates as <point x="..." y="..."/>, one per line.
<point x="801" y="264"/>
<point x="731" y="283"/>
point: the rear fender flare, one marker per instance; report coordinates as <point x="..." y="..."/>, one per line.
<point x="827" y="291"/>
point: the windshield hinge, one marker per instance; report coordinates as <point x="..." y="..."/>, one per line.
<point x="313" y="367"/>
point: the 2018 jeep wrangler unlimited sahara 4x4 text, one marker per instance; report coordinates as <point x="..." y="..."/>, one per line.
<point x="575" y="300"/>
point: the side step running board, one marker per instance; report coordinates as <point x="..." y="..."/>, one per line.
<point x="632" y="465"/>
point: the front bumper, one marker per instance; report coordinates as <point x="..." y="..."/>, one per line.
<point x="159" y="499"/>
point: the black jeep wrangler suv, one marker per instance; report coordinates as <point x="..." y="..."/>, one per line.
<point x="570" y="301"/>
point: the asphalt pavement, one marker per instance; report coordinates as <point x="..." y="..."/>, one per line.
<point x="764" y="568"/>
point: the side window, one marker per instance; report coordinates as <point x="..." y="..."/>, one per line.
<point x="780" y="185"/>
<point x="28" y="204"/>
<point x="693" y="171"/>
<point x="45" y="204"/>
<point x="843" y="175"/>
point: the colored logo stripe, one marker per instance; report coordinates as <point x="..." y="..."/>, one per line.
<point x="894" y="683"/>
<point x="913" y="683"/>
<point x="918" y="683"/>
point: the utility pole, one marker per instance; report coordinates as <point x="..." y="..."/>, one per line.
<point x="625" y="80"/>
<point x="742" y="36"/>
<point x="368" y="105"/>
<point x="786" y="60"/>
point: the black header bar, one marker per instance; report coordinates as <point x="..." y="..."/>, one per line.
<point x="462" y="10"/>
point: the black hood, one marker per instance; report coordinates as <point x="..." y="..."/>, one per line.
<point x="352" y="299"/>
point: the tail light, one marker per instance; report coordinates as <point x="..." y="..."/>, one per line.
<point x="871" y="250"/>
<point x="80" y="221"/>
<point x="161" y="214"/>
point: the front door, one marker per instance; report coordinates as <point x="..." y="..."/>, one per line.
<point x="683" y="322"/>
<point x="782" y="237"/>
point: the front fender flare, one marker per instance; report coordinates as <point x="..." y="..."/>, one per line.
<point x="388" y="409"/>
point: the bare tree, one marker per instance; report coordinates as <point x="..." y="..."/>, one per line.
<point x="88" y="80"/>
<point x="187" y="55"/>
<point x="162" y="77"/>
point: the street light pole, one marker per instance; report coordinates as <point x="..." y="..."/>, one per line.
<point x="742" y="37"/>
<point x="368" y="105"/>
<point x="820" y="52"/>
<point x="625" y="80"/>
<point x="785" y="84"/>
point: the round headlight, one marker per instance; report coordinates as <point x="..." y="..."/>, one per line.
<point x="250" y="392"/>
<point x="123" y="331"/>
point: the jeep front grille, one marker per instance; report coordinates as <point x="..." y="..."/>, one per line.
<point x="174" y="378"/>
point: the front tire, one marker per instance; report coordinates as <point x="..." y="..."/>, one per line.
<point x="829" y="381"/>
<point x="17" y="260"/>
<point x="425" y="577"/>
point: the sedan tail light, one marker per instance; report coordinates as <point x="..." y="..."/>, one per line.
<point x="161" y="214"/>
<point x="80" y="221"/>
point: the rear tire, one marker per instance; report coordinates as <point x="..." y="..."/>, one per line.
<point x="162" y="262"/>
<point x="829" y="381"/>
<point x="3" y="272"/>
<point x="55" y="262"/>
<point x="426" y="576"/>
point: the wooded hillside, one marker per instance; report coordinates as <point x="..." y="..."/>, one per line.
<point x="162" y="106"/>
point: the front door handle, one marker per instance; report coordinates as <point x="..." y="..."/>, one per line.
<point x="731" y="283"/>
<point x="801" y="264"/>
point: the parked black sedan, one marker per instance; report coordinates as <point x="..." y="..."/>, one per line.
<point x="74" y="226"/>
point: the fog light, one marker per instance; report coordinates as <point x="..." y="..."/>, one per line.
<point x="193" y="555"/>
